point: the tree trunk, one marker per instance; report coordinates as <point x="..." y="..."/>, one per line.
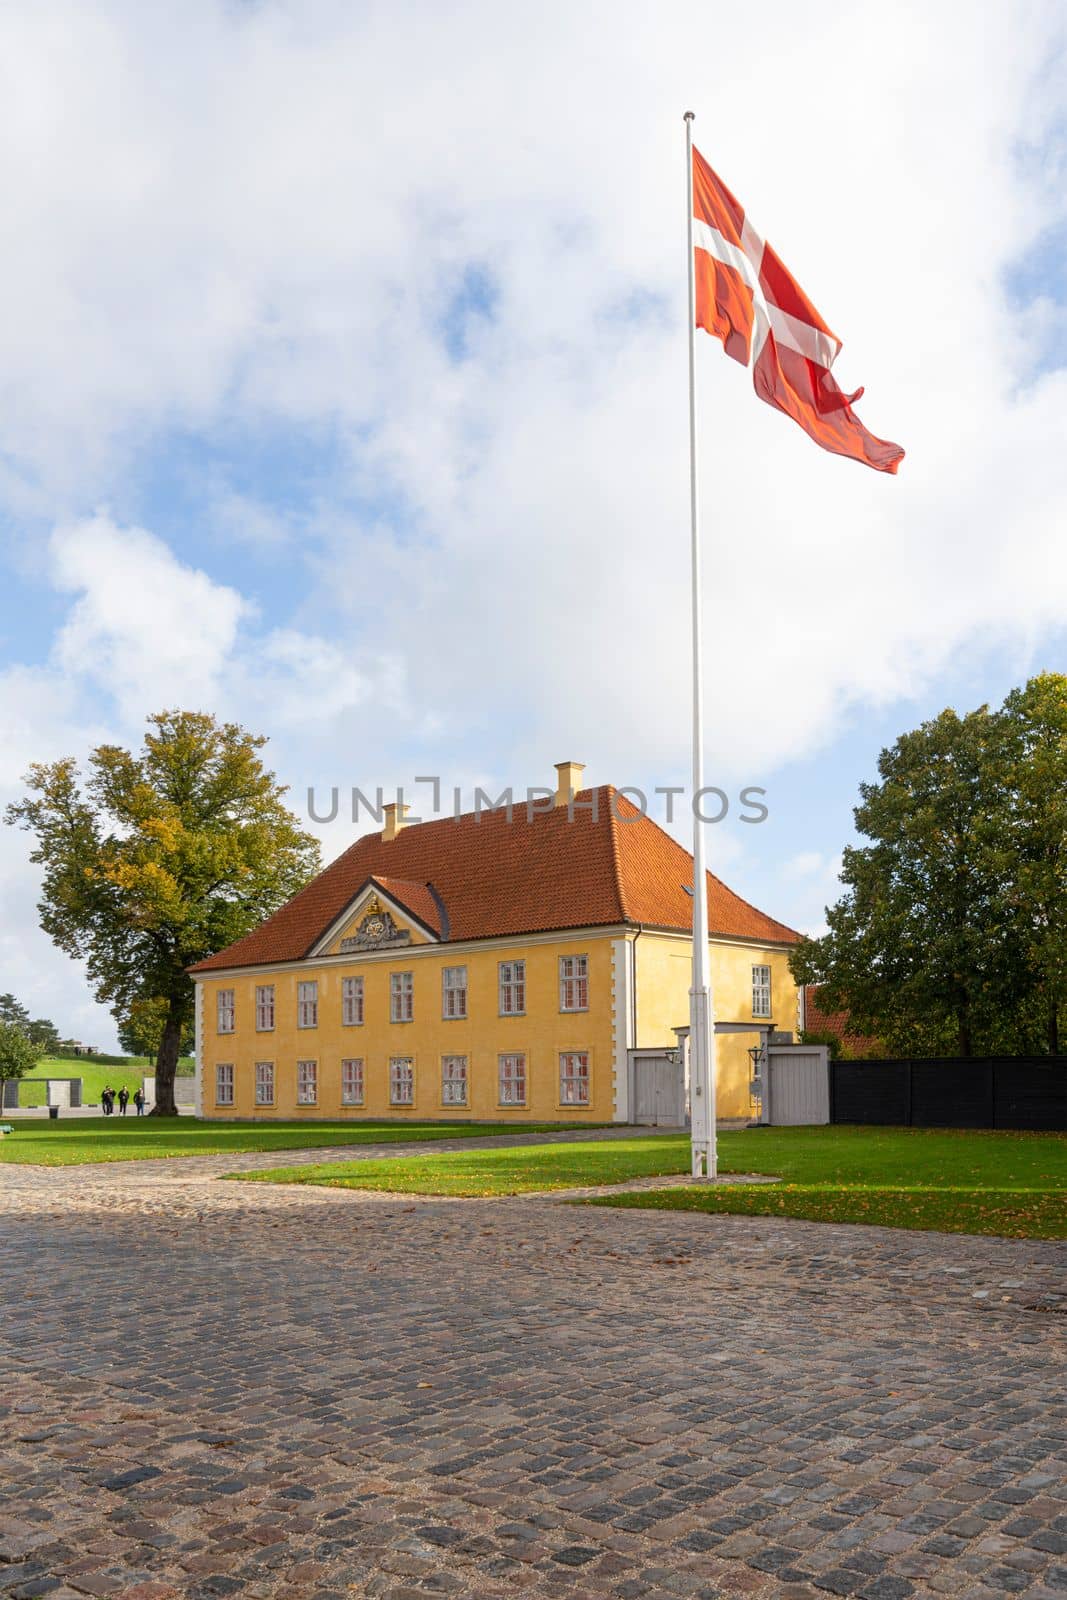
<point x="1053" y="1029"/>
<point x="963" y="1020"/>
<point x="167" y="1061"/>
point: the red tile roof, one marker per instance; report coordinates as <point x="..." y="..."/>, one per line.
<point x="528" y="874"/>
<point x="836" y="1025"/>
<point x="415" y="897"/>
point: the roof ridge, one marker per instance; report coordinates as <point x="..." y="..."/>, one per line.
<point x="616" y="861"/>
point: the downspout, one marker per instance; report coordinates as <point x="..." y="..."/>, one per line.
<point x="633" y="988"/>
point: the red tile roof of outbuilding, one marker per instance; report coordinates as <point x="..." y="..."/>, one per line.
<point x="836" y="1024"/>
<point x="497" y="876"/>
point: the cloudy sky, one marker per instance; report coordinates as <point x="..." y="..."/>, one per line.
<point x="342" y="391"/>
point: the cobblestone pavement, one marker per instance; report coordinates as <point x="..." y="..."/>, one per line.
<point x="212" y="1389"/>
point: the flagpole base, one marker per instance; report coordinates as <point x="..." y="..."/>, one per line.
<point x="705" y="1164"/>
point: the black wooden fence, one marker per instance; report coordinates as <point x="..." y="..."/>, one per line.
<point x="979" y="1092"/>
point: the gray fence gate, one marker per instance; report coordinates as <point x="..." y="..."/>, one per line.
<point x="659" y="1092"/>
<point x="796" y="1085"/>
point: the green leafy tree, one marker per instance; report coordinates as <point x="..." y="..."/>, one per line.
<point x="41" y="1031"/>
<point x="1028" y="837"/>
<point x="18" y="1053"/>
<point x="141" y="1031"/>
<point x="157" y="859"/>
<point x="44" y="1034"/>
<point x="830" y="1040"/>
<point x="11" y="1010"/>
<point x="923" y="951"/>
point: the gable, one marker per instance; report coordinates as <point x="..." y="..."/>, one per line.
<point x="378" y="919"/>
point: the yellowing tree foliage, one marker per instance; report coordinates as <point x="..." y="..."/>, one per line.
<point x="155" y="860"/>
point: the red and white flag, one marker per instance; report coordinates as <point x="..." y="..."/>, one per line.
<point x="747" y="298"/>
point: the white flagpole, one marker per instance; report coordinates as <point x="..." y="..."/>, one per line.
<point x="701" y="1013"/>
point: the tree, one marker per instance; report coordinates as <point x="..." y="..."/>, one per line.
<point x="953" y="919"/>
<point x="1030" y="837"/>
<point x="44" y="1034"/>
<point x="41" y="1031"/>
<point x="141" y="1031"/>
<point x="18" y="1053"/>
<point x="160" y="859"/>
<point x="11" y="1010"/>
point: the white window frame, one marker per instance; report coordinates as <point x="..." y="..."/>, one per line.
<point x="512" y="982"/>
<point x="453" y="993"/>
<point x="225" y="1010"/>
<point x="224" y="1083"/>
<point x="761" y="991"/>
<point x="352" y="1002"/>
<point x="307" y="1083"/>
<point x="264" y="1008"/>
<point x="453" y="1080"/>
<point x="401" y="1076"/>
<point x="307" y="1003"/>
<point x="511" y="1078"/>
<point x="264" y="1083"/>
<point x="352" y="1081"/>
<point x="574" y="983"/>
<point x="401" y="997"/>
<point x="575" y="1088"/>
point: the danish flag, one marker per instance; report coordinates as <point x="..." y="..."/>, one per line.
<point x="746" y="297"/>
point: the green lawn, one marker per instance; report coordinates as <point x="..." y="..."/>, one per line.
<point x="960" y="1182"/>
<point x="93" y="1076"/>
<point x="501" y="1171"/>
<point x="77" y="1140"/>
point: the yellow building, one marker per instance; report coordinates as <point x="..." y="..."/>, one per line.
<point x="531" y="964"/>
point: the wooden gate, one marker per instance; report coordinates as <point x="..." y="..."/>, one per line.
<point x="659" y="1092"/>
<point x="797" y="1085"/>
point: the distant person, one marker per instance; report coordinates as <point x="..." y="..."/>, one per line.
<point x="107" y="1100"/>
<point x="138" y="1101"/>
<point x="124" y="1100"/>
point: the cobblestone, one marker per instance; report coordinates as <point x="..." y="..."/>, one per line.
<point x="212" y="1389"/>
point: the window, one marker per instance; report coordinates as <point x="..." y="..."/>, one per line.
<point x="224" y="1084"/>
<point x="574" y="983"/>
<point x="307" y="1083"/>
<point x="574" y="1078"/>
<point x="307" y="1004"/>
<point x="454" y="992"/>
<point x="512" y="988"/>
<point x="401" y="997"/>
<point x="453" y="1080"/>
<point x="761" y="991"/>
<point x="264" y="1007"/>
<point x="401" y="1081"/>
<point x="352" y="1002"/>
<point x="225" y="1011"/>
<point x="264" y="1083"/>
<point x="352" y="1082"/>
<point x="512" y="1070"/>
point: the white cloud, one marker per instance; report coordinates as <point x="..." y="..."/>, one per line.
<point x="250" y="218"/>
<point x="146" y="629"/>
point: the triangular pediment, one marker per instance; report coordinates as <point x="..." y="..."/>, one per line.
<point x="379" y="919"/>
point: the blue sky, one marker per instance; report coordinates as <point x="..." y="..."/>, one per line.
<point x="342" y="390"/>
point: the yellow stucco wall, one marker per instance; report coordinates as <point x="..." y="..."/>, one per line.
<point x="542" y="1033"/>
<point x="663" y="965"/>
